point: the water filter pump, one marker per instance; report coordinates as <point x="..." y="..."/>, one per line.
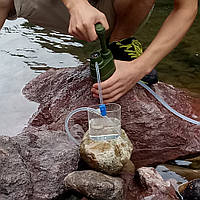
<point x="103" y="57"/>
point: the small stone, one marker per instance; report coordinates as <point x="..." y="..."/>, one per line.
<point x="155" y="186"/>
<point x="95" y="185"/>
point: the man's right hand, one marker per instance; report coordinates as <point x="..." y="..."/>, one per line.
<point x="83" y="18"/>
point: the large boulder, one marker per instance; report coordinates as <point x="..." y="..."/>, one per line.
<point x="15" y="182"/>
<point x="34" y="163"/>
<point x="157" y="135"/>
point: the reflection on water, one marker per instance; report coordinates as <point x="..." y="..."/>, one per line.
<point x="23" y="47"/>
<point x="37" y="47"/>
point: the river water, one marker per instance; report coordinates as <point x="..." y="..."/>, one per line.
<point x="26" y="50"/>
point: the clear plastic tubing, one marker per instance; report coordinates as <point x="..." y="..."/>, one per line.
<point x="149" y="90"/>
<point x="79" y="110"/>
<point x="99" y="82"/>
<point x="167" y="106"/>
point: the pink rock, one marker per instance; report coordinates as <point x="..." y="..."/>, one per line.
<point x="157" y="135"/>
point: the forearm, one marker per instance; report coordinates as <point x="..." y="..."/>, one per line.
<point x="170" y="34"/>
<point x="3" y="15"/>
<point x="4" y="10"/>
<point x="71" y="3"/>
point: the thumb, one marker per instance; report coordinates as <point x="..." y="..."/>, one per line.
<point x="104" y="23"/>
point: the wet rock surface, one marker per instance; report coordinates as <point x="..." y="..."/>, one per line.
<point x="157" y="135"/>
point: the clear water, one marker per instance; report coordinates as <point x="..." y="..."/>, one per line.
<point x="26" y="51"/>
<point x="104" y="128"/>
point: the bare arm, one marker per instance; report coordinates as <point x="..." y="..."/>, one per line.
<point x="172" y="31"/>
<point x="5" y="6"/>
<point x="83" y="17"/>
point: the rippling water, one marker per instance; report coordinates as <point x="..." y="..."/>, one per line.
<point x="23" y="48"/>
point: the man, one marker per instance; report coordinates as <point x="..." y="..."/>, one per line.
<point x="121" y="17"/>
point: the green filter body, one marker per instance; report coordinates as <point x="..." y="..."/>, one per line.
<point x="103" y="57"/>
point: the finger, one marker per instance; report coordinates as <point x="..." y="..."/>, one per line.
<point x="110" y="94"/>
<point x="95" y="96"/>
<point x="109" y="91"/>
<point x="79" y="32"/>
<point x="76" y="33"/>
<point x="107" y="83"/>
<point x="113" y="99"/>
<point x="91" y="33"/>
<point x="104" y="22"/>
<point x="79" y="36"/>
<point x="104" y="91"/>
<point x="94" y="91"/>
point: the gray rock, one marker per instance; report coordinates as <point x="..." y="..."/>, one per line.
<point x="15" y="181"/>
<point x="95" y="185"/>
<point x="34" y="164"/>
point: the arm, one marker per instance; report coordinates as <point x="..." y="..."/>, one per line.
<point x="83" y="17"/>
<point x="172" y="31"/>
<point x="5" y="6"/>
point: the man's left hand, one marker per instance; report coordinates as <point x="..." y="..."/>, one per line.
<point x="127" y="74"/>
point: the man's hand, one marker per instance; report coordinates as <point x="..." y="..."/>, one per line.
<point x="83" y="17"/>
<point x="127" y="74"/>
<point x="170" y="34"/>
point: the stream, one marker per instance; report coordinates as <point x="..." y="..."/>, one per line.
<point x="27" y="50"/>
